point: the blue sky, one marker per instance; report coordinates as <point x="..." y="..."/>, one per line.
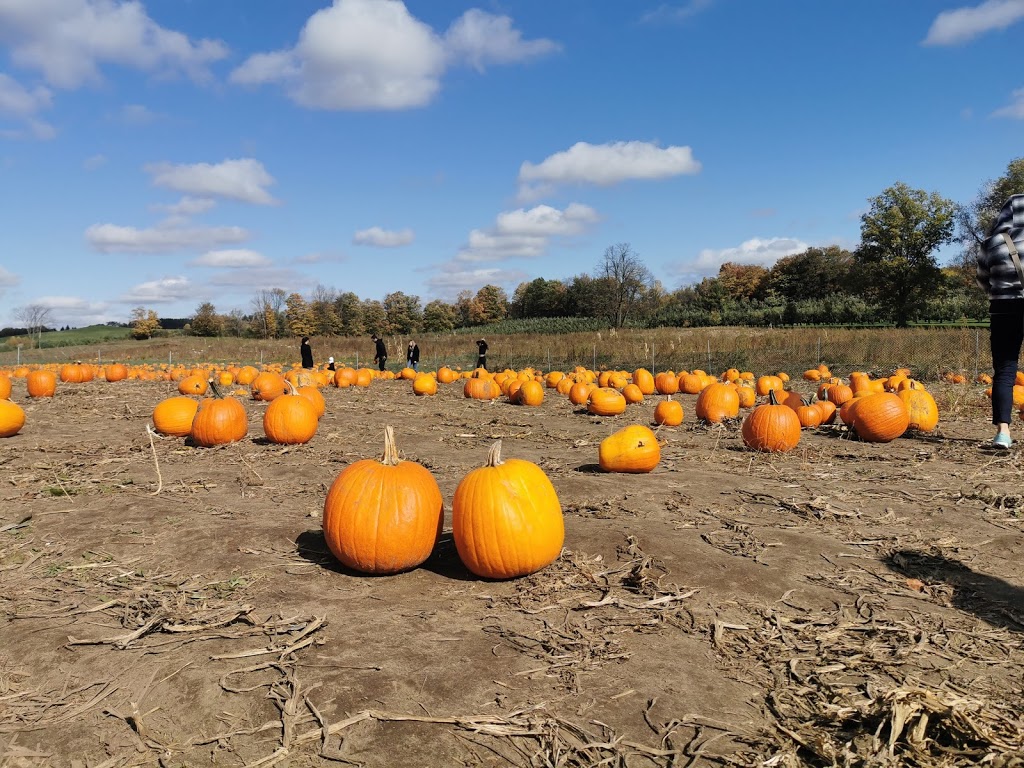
<point x="169" y="152"/>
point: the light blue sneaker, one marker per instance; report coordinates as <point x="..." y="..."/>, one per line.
<point x="1002" y="440"/>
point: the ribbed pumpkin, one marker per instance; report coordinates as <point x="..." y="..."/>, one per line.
<point x="667" y="383"/>
<point x="605" y="401"/>
<point x="579" y="393"/>
<point x="506" y="518"/>
<point x="633" y="449"/>
<point x="668" y="412"/>
<point x="383" y="516"/>
<point x="12" y="418"/>
<point x="174" y="416"/>
<point x="219" y="420"/>
<point x="193" y="385"/>
<point x="771" y="427"/>
<point x="424" y="384"/>
<point x="530" y="393"/>
<point x="41" y="383"/>
<point x="268" y="385"/>
<point x="921" y="408"/>
<point x="446" y="375"/>
<point x="880" y="417"/>
<point x="808" y="412"/>
<point x="717" y="402"/>
<point x="115" y="372"/>
<point x="290" y="419"/>
<point x="76" y="373"/>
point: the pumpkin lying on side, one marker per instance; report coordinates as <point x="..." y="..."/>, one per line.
<point x="506" y="518"/>
<point x="12" y="418"/>
<point x="632" y="449"/>
<point x="383" y="516"/>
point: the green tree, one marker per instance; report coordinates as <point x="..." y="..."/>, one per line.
<point x="322" y="307"/>
<point x="741" y="281"/>
<point x="465" y="309"/>
<point x="626" y="278"/>
<point x="375" y="317"/>
<point x="899" y="234"/>
<point x="298" y="318"/>
<point x="404" y="313"/>
<point x="349" y="309"/>
<point x="438" y="317"/>
<point x="813" y="274"/>
<point x="145" y="322"/>
<point x="539" y="298"/>
<point x="268" y="316"/>
<point x="206" y="321"/>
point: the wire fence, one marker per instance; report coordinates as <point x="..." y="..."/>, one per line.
<point x="928" y="352"/>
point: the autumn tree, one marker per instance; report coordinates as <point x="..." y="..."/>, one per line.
<point x="404" y="313"/>
<point x="741" y="281"/>
<point x="489" y="305"/>
<point x="812" y="274"/>
<point x="206" y="321"/>
<point x="438" y="317"/>
<point x="349" y="309"/>
<point x="298" y="318"/>
<point x="539" y="298"/>
<point x="267" y="313"/>
<point x="325" y="316"/>
<point x="625" y="278"/>
<point x="144" y="323"/>
<point x="375" y="317"/>
<point x="899" y="235"/>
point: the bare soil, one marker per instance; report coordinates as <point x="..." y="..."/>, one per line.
<point x="843" y="604"/>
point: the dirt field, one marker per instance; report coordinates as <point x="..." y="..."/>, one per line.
<point x="845" y="604"/>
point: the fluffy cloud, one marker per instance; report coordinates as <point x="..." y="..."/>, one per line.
<point x="526" y="232"/>
<point x="69" y="40"/>
<point x="481" y="38"/>
<point x="383" y="238"/>
<point x="18" y="102"/>
<point x="166" y="290"/>
<point x="760" y="251"/>
<point x="7" y="280"/>
<point x="1015" y="109"/>
<point x="244" y="180"/>
<point x="72" y="310"/>
<point x="112" y="238"/>
<point x="373" y="54"/>
<point x="232" y="259"/>
<point x="450" y="280"/>
<point x="961" y="25"/>
<point x="604" y="165"/>
<point x="322" y="257"/>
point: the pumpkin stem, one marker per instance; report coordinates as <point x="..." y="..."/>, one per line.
<point x="390" y="457"/>
<point x="494" y="455"/>
<point x="213" y="386"/>
<point x="772" y="399"/>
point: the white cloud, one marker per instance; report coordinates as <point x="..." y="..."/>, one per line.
<point x="383" y="238"/>
<point x="526" y="232"/>
<point x="72" y="310"/>
<point x="166" y="290"/>
<point x="481" y="38"/>
<point x="676" y="13"/>
<point x="1015" y="109"/>
<point x="185" y="207"/>
<point x="322" y="257"/>
<point x="604" y="165"/>
<point x="961" y="25"/>
<point x="758" y="251"/>
<point x="112" y="238"/>
<point x="452" y="280"/>
<point x="94" y="162"/>
<point x="19" y="103"/>
<point x="7" y="280"/>
<point x="244" y="179"/>
<point x="69" y="40"/>
<point x="232" y="259"/>
<point x="374" y="55"/>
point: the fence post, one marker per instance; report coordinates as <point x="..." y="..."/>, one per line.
<point x="652" y="358"/>
<point x="818" y="353"/>
<point x="709" y="355"/>
<point x="595" y="357"/>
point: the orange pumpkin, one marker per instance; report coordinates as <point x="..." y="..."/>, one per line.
<point x="921" y="408"/>
<point x="717" y="402"/>
<point x="424" y="384"/>
<point x="12" y="418"/>
<point x="668" y="412"/>
<point x="219" y="420"/>
<point x="506" y="518"/>
<point x="268" y="385"/>
<point x="880" y="417"/>
<point x="41" y="383"/>
<point x="383" y="516"/>
<point x="633" y="449"/>
<point x="115" y="372"/>
<point x="5" y="387"/>
<point x="606" y="401"/>
<point x="771" y="427"/>
<point x="529" y="393"/>
<point x="193" y="385"/>
<point x="290" y="419"/>
<point x="174" y="416"/>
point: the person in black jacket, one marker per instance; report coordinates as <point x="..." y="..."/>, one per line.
<point x="380" y="356"/>
<point x="412" y="356"/>
<point x="481" y="358"/>
<point x="307" y="353"/>
<point x="1001" y="275"/>
<point x="330" y="364"/>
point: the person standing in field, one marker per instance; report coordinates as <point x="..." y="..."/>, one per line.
<point x="481" y="356"/>
<point x="307" y="353"/>
<point x="412" y="356"/>
<point x="380" y="356"/>
<point x="1001" y="275"/>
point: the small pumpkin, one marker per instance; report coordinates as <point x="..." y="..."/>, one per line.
<point x="633" y="449"/>
<point x="290" y="419"/>
<point x="771" y="427"/>
<point x="383" y="516"/>
<point x="193" y="385"/>
<point x="506" y="518"/>
<point x="5" y="387"/>
<point x="219" y="420"/>
<point x="174" y="416"/>
<point x="115" y="372"/>
<point x="12" y="418"/>
<point x="668" y="412"/>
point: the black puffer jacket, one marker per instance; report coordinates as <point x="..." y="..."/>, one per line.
<point x="997" y="273"/>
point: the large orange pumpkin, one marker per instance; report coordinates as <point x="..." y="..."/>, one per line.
<point x="219" y="420"/>
<point x="880" y="417"/>
<point x="5" y="387"/>
<point x="174" y="416"/>
<point x="383" y="516"/>
<point x="41" y="383"/>
<point x="606" y="401"/>
<point x="12" y="418"/>
<point x="921" y="408"/>
<point x="633" y="449"/>
<point x="290" y="419"/>
<point x="717" y="402"/>
<point x="506" y="518"/>
<point x="771" y="427"/>
<point x="268" y="385"/>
